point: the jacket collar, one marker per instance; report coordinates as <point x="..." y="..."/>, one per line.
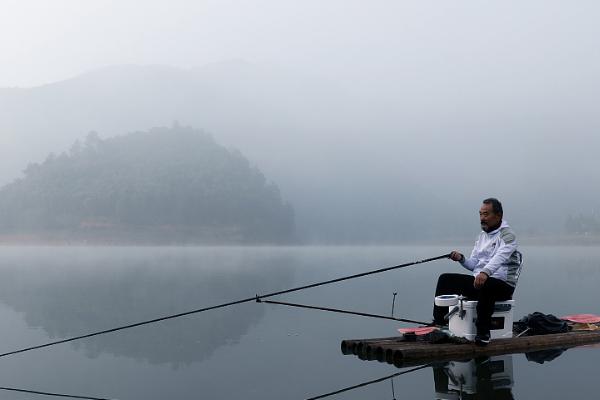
<point x="503" y="224"/>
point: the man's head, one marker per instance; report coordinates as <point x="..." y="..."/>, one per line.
<point x="490" y="214"/>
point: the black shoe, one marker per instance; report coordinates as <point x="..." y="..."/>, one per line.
<point x="441" y="325"/>
<point x="482" y="339"/>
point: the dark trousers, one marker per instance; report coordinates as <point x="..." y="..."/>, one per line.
<point x="493" y="290"/>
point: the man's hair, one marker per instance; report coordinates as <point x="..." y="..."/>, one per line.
<point x="496" y="205"/>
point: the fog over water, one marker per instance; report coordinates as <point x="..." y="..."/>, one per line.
<point x="380" y="121"/>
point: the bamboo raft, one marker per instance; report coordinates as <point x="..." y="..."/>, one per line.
<point x="396" y="350"/>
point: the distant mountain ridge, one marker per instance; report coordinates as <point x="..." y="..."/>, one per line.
<point x="162" y="186"/>
<point x="241" y="104"/>
<point x="299" y="130"/>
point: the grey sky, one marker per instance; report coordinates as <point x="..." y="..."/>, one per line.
<point x="466" y="98"/>
<point x="359" y="41"/>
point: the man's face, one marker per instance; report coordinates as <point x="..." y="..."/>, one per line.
<point x="488" y="218"/>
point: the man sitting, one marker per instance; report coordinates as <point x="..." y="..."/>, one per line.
<point x="496" y="265"/>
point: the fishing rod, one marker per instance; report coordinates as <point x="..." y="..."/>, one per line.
<point x="70" y="396"/>
<point x="223" y="305"/>
<point x="337" y="310"/>
<point x="347" y="389"/>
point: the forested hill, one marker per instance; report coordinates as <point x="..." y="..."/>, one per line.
<point x="167" y="185"/>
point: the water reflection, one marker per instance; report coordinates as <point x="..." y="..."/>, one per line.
<point x="485" y="378"/>
<point x="482" y="378"/>
<point x="68" y="297"/>
<point x="252" y="351"/>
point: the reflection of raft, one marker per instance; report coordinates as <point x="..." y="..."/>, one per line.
<point x="400" y="352"/>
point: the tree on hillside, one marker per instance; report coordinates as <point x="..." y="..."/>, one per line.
<point x="175" y="179"/>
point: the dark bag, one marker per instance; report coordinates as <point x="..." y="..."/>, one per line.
<point x="541" y="324"/>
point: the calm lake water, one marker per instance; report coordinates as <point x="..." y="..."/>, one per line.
<point x="255" y="351"/>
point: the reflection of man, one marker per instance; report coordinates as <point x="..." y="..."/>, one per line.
<point x="485" y="378"/>
<point x="496" y="264"/>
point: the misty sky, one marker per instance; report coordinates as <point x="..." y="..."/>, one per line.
<point x="468" y="98"/>
<point x="45" y="41"/>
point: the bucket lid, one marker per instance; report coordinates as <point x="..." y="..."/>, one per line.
<point x="446" y="300"/>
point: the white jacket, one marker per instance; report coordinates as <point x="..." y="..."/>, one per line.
<point x="496" y="254"/>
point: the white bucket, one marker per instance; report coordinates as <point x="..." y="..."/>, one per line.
<point x="462" y="324"/>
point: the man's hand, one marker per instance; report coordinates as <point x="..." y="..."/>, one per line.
<point x="456" y="256"/>
<point x="480" y="280"/>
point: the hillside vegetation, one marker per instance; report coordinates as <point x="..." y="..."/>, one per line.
<point x="168" y="185"/>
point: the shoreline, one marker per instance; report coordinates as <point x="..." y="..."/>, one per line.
<point x="62" y="241"/>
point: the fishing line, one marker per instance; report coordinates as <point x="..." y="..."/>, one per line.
<point x="228" y="304"/>
<point x="337" y="310"/>
<point x="71" y="396"/>
<point x="369" y="382"/>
